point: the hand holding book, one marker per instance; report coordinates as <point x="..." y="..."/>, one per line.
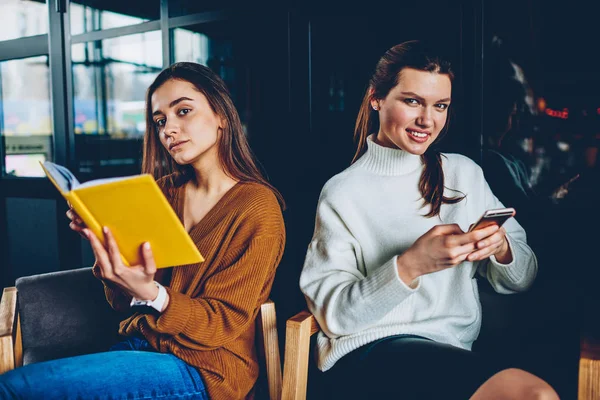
<point x="136" y="280"/>
<point x="135" y="210"/>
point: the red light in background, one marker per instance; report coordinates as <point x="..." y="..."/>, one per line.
<point x="564" y="114"/>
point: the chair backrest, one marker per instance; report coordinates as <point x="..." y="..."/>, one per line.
<point x="298" y="331"/>
<point x="267" y="341"/>
<point x="64" y="314"/>
<point x="12" y="336"/>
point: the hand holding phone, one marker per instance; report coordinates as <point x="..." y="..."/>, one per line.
<point x="493" y="217"/>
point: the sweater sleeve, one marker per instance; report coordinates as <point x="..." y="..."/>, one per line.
<point x="228" y="302"/>
<point x="342" y="298"/>
<point x="518" y="275"/>
<point x="117" y="298"/>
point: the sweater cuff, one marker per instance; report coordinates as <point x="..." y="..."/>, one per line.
<point x="414" y="285"/>
<point x="174" y="318"/>
<point x="515" y="274"/>
<point x="388" y="281"/>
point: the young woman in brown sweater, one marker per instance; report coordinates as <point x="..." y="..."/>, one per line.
<point x="195" y="339"/>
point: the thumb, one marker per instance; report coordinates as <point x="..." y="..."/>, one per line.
<point x="149" y="263"/>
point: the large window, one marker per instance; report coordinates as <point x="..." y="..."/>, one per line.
<point x="110" y="78"/>
<point x="221" y="47"/>
<point x="25" y="115"/>
<point x="94" y="15"/>
<point x="21" y="18"/>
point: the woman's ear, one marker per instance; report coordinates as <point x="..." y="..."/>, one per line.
<point x="373" y="101"/>
<point x="222" y="123"/>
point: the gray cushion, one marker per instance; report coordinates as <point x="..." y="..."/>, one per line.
<point x="64" y="314"/>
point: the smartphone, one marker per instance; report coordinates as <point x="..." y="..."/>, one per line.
<point x="493" y="217"/>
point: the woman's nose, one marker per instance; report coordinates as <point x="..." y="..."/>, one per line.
<point x="424" y="118"/>
<point x="171" y="128"/>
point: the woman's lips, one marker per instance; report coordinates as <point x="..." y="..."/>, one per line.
<point x="177" y="145"/>
<point x="418" y="136"/>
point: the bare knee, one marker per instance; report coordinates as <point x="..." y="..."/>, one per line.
<point x="515" y="384"/>
<point x="530" y="386"/>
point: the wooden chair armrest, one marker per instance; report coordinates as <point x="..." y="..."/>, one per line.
<point x="589" y="368"/>
<point x="11" y="354"/>
<point x="298" y="331"/>
<point x="269" y="347"/>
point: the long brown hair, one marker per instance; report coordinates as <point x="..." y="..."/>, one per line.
<point x="417" y="55"/>
<point x="233" y="149"/>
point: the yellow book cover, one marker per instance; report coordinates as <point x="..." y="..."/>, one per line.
<point x="135" y="210"/>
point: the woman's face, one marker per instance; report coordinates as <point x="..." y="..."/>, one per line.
<point x="187" y="126"/>
<point x="414" y="112"/>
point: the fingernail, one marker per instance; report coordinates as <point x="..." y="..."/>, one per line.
<point x="105" y="229"/>
<point x="147" y="246"/>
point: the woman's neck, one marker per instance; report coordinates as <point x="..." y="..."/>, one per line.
<point x="211" y="181"/>
<point x="210" y="176"/>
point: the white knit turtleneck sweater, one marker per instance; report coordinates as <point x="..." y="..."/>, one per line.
<point x="367" y="216"/>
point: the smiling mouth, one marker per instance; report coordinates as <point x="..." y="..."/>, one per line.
<point x="417" y="134"/>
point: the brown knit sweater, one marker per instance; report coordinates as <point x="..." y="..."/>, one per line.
<point x="209" y="321"/>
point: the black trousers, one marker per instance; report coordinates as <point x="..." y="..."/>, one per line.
<point x="408" y="367"/>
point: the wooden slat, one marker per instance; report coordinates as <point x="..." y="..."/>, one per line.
<point x="589" y="369"/>
<point x="298" y="331"/>
<point x="8" y="319"/>
<point x="18" y="343"/>
<point x="267" y="326"/>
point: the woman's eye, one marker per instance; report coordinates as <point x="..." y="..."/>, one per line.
<point x="411" y="101"/>
<point x="442" y="106"/>
<point x="160" y="122"/>
<point x="184" y="111"/>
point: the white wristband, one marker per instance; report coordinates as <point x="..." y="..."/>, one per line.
<point x="157" y="303"/>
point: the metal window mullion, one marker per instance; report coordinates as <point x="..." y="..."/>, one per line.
<point x="116" y="32"/>
<point x="166" y="33"/>
<point x="24" y="47"/>
<point x="61" y="78"/>
<point x="59" y="52"/>
<point x="102" y="85"/>
<point x="2" y="142"/>
<point x="201" y="18"/>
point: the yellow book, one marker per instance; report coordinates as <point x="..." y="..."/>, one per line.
<point x="134" y="209"/>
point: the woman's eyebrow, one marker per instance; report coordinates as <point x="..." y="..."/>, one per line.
<point x="173" y="104"/>
<point x="416" y="96"/>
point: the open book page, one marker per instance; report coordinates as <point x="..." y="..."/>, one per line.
<point x="65" y="180"/>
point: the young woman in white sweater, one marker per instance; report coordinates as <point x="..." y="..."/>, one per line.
<point x="389" y="273"/>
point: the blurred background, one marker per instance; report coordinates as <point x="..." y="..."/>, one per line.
<point x="526" y="106"/>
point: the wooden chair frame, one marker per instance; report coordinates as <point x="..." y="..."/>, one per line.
<point x="11" y="347"/>
<point x="298" y="331"/>
<point x="589" y="369"/>
<point x="303" y="325"/>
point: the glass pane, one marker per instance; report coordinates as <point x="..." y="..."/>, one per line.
<point x="110" y="78"/>
<point x="179" y="8"/>
<point x="20" y="18"/>
<point x="218" y="46"/>
<point x="25" y="115"/>
<point x="251" y="55"/>
<point x="93" y="15"/>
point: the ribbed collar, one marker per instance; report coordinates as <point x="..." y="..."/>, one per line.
<point x="387" y="161"/>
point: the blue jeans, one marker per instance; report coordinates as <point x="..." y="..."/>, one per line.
<point x="130" y="370"/>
